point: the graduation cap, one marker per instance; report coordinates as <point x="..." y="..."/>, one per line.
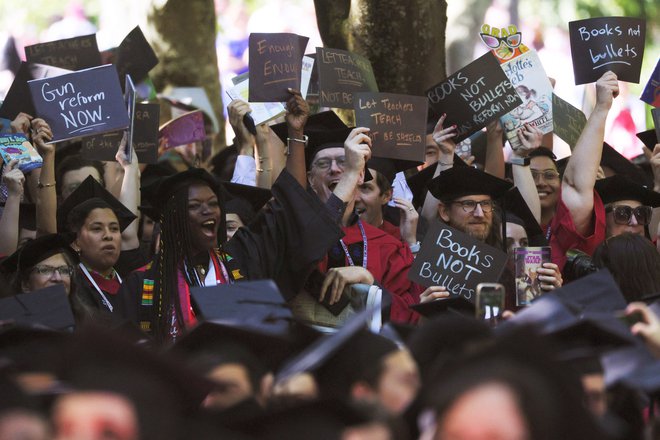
<point x="37" y="250"/>
<point x="254" y="304"/>
<point x="255" y="196"/>
<point x="48" y="307"/>
<point x="453" y="304"/>
<point x="418" y="182"/>
<point x="191" y="98"/>
<point x="618" y="187"/>
<point x="597" y="292"/>
<point x="517" y="211"/>
<point x="546" y="314"/>
<point x="389" y="167"/>
<point x="134" y="56"/>
<point x="456" y="182"/>
<point x="89" y="195"/>
<point x="621" y="166"/>
<point x="151" y="174"/>
<point x="648" y="137"/>
<point x="18" y="98"/>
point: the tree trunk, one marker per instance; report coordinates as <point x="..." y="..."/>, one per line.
<point x="403" y="39"/>
<point x="182" y="33"/>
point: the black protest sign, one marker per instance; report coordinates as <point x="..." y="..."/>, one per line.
<point x="129" y="99"/>
<point x="568" y="121"/>
<point x="72" y="53"/>
<point x="456" y="261"/>
<point x="476" y="95"/>
<point x="81" y="103"/>
<point x="275" y="66"/>
<point x="134" y="56"/>
<point x="397" y="124"/>
<point x="341" y="75"/>
<point x="145" y="132"/>
<point x="655" y="113"/>
<point x="607" y="43"/>
<point x="101" y="147"/>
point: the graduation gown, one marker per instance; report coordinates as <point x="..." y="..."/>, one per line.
<point x="288" y="237"/>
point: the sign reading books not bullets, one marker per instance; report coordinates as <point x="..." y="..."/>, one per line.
<point x="457" y="261"/>
<point x="476" y="95"/>
<point x="275" y="65"/>
<point x="397" y="124"/>
<point x="81" y="103"/>
<point x="607" y="43"/>
<point x="341" y="75"/>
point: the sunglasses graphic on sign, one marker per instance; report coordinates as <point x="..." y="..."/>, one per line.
<point x="506" y="43"/>
<point x="493" y="42"/>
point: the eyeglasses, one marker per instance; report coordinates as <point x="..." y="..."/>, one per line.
<point x="493" y="42"/>
<point x="548" y="175"/>
<point x="326" y="162"/>
<point x="623" y="214"/>
<point x="48" y="271"/>
<point x="470" y="205"/>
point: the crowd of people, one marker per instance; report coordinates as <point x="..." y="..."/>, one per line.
<point x="106" y="335"/>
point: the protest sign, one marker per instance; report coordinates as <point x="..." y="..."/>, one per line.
<point x="607" y="43"/>
<point x="81" y="103"/>
<point x="341" y="75"/>
<point x="129" y="99"/>
<point x="185" y="129"/>
<point x="397" y="124"/>
<point x="474" y="96"/>
<point x="505" y="43"/>
<point x="275" y="66"/>
<point x="101" y="147"/>
<point x="16" y="146"/>
<point x="456" y="261"/>
<point x="651" y="93"/>
<point x="72" y="53"/>
<point x="568" y="121"/>
<point x="528" y="78"/>
<point x="134" y="56"/>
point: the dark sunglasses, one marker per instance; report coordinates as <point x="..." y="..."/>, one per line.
<point x="623" y="214"/>
<point x="493" y="42"/>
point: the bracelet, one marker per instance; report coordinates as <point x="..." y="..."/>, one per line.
<point x="261" y="170"/>
<point x="303" y="141"/>
<point x="521" y="161"/>
<point x="45" y="185"/>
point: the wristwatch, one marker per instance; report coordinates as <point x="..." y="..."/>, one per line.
<point x="522" y="161"/>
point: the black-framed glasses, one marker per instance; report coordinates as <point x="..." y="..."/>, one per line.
<point x="548" y="175"/>
<point x="48" y="271"/>
<point x="470" y="205"/>
<point x="494" y="42"/>
<point x="623" y="213"/>
<point x="326" y="162"/>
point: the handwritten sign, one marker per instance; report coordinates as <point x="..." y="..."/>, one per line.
<point x="275" y="66"/>
<point x="101" y="147"/>
<point x="341" y="75"/>
<point x="81" y="103"/>
<point x="528" y="78"/>
<point x="457" y="261"/>
<point x="135" y="56"/>
<point x="607" y="43"/>
<point x="397" y="123"/>
<point x="651" y="93"/>
<point x="474" y="96"/>
<point x="186" y="129"/>
<point x="72" y="53"/>
<point x="568" y="122"/>
<point x="129" y="99"/>
<point x="505" y="42"/>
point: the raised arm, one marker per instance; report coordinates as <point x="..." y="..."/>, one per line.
<point x="443" y="138"/>
<point x="129" y="194"/>
<point x="269" y="156"/>
<point x="530" y="138"/>
<point x="296" y="118"/>
<point x="46" y="196"/>
<point x="245" y="170"/>
<point x="14" y="180"/>
<point x="577" y="188"/>
<point x="494" y="149"/>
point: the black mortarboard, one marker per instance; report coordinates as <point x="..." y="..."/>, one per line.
<point x="597" y="292"/>
<point x="38" y="250"/>
<point x="87" y="195"/>
<point x="455" y="304"/>
<point x="27" y="216"/>
<point x="513" y="203"/>
<point x="462" y="181"/>
<point x="418" y="182"/>
<point x="257" y="197"/>
<point x="600" y="332"/>
<point x="622" y="166"/>
<point x="615" y="188"/>
<point x="543" y="152"/>
<point x="648" y="137"/>
<point x="546" y="314"/>
<point x="389" y="167"/>
<point x="134" y="56"/>
<point x="18" y="98"/>
<point x="151" y="174"/>
<point x="254" y="304"/>
<point x="48" y="307"/>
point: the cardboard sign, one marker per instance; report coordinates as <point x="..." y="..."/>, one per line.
<point x="134" y="56"/>
<point x="607" y="43"/>
<point x="457" y="261"/>
<point x="101" y="147"/>
<point x="341" y="75"/>
<point x="568" y="122"/>
<point x="651" y="93"/>
<point x="185" y="129"/>
<point x="80" y="103"/>
<point x="474" y="96"/>
<point x="528" y="78"/>
<point x="18" y="97"/>
<point x="275" y="66"/>
<point x="397" y="123"/>
<point x="72" y="53"/>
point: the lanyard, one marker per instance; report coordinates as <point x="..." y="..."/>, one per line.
<point x="547" y="233"/>
<point x="364" y="247"/>
<point x="104" y="299"/>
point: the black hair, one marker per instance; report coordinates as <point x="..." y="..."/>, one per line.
<point x="230" y="353"/>
<point x="72" y="163"/>
<point x="76" y="218"/>
<point x="382" y="182"/>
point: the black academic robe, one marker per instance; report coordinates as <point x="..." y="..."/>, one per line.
<point x="285" y="241"/>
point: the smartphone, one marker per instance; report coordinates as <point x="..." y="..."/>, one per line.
<point x="490" y="302"/>
<point x="630" y="320"/>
